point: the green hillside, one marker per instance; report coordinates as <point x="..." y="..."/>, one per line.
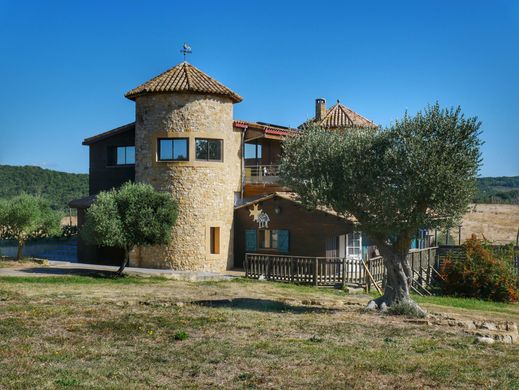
<point x="503" y="189"/>
<point x="61" y="187"/>
<point x="58" y="187"/>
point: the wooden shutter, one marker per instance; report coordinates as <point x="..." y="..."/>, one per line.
<point x="251" y="240"/>
<point x="283" y="240"/>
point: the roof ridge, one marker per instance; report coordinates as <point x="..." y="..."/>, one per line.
<point x="183" y="77"/>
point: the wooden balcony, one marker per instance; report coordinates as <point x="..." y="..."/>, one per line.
<point x="262" y="174"/>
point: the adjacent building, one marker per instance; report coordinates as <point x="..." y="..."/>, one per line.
<point x="223" y="172"/>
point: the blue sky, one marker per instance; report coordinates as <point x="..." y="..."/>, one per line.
<point x="65" y="65"/>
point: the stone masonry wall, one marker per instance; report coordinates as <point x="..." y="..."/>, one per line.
<point x="204" y="189"/>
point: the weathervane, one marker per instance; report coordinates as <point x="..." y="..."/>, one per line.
<point x="186" y="49"/>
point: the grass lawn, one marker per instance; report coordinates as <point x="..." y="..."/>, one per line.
<point x="136" y="333"/>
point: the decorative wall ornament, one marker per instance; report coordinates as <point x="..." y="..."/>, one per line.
<point x="255" y="212"/>
<point x="263" y="220"/>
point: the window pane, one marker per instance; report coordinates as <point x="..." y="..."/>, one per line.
<point x="215" y="149"/>
<point x="180" y="149"/>
<point x="274" y="240"/>
<point x="166" y="149"/>
<point x="130" y="155"/>
<point x="250" y="151"/>
<point x="121" y="155"/>
<point x="201" y="149"/>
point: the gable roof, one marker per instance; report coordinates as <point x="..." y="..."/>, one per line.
<point x="294" y="197"/>
<point x="183" y="77"/>
<point x="340" y="116"/>
<point x="109" y="133"/>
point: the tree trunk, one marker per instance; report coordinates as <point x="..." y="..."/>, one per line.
<point x="125" y="261"/>
<point x="398" y="281"/>
<point x="19" y="253"/>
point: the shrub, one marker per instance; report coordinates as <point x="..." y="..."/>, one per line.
<point x="405" y="309"/>
<point x="481" y="272"/>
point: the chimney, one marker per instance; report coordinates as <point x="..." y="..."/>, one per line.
<point x="320" y="108"/>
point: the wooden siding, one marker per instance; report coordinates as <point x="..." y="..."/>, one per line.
<point x="308" y="230"/>
<point x="102" y="176"/>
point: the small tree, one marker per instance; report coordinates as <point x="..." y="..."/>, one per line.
<point x="26" y="216"/>
<point x="133" y="215"/>
<point x="418" y="173"/>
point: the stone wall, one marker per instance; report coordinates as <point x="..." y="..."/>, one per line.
<point x="205" y="190"/>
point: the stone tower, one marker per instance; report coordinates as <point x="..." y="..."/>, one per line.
<point x="185" y="144"/>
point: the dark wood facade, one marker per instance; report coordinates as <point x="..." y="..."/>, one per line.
<point x="103" y="174"/>
<point x="307" y="230"/>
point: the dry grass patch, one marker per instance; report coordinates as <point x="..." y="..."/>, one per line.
<point x="124" y="335"/>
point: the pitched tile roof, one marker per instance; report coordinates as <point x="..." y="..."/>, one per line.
<point x="184" y="77"/>
<point x="340" y="116"/>
<point x="267" y="127"/>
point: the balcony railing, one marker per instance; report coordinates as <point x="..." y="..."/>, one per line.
<point x="262" y="174"/>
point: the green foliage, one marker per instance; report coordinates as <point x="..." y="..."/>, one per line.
<point x="498" y="190"/>
<point x="133" y="215"/>
<point x="418" y="173"/>
<point x="405" y="309"/>
<point x="181" y="336"/>
<point x="482" y="272"/>
<point x="58" y="188"/>
<point x="27" y="216"/>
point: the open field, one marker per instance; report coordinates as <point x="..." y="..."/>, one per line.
<point x="101" y="333"/>
<point x="495" y="222"/>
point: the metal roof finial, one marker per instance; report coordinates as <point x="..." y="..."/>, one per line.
<point x="186" y="49"/>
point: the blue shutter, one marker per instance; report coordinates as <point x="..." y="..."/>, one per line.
<point x="283" y="240"/>
<point x="251" y="240"/>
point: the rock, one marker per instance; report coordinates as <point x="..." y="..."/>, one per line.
<point x="469" y="325"/>
<point x="372" y="305"/>
<point x="512" y="327"/>
<point x="488" y="326"/>
<point x="179" y="304"/>
<point x="262" y="278"/>
<point x="485" y="340"/>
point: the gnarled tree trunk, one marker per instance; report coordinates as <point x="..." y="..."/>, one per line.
<point x="125" y="261"/>
<point x="19" y="253"/>
<point x="399" y="277"/>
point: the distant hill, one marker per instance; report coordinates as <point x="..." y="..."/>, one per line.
<point x="57" y="187"/>
<point x="61" y="187"/>
<point x="503" y="190"/>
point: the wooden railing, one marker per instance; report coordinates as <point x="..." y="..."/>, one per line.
<point x="325" y="271"/>
<point x="261" y="174"/>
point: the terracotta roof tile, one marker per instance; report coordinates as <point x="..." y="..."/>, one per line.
<point x="183" y="77"/>
<point x="340" y="116"/>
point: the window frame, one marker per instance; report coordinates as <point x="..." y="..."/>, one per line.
<point x="220" y="140"/>
<point x="112" y="154"/>
<point x="351" y="239"/>
<point x="173" y="139"/>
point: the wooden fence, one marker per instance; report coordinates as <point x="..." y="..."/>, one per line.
<point x="325" y="271"/>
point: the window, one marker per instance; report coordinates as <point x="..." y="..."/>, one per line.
<point x="173" y="149"/>
<point x="274" y="239"/>
<point x="349" y="245"/>
<point x="214" y="240"/>
<point x="121" y="155"/>
<point x="209" y="149"/>
<point x="252" y="151"/>
<point x="354" y="245"/>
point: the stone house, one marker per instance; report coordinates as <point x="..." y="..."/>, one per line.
<point x="223" y="172"/>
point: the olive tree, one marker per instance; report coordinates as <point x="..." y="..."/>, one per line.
<point x="418" y="173"/>
<point x="134" y="215"/>
<point x="26" y="216"/>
